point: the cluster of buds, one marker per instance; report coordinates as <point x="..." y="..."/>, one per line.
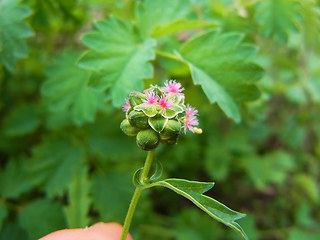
<point x="158" y="115"/>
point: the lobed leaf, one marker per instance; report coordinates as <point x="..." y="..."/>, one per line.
<point x="13" y="30"/>
<point x="194" y="192"/>
<point x="67" y="89"/>
<point x="157" y="123"/>
<point x="278" y="17"/>
<point x="79" y="200"/>
<point x="157" y="15"/>
<point x="120" y="56"/>
<point x="54" y="163"/>
<point x="221" y="65"/>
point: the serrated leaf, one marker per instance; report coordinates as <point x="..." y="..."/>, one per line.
<point x="194" y="192"/>
<point x="157" y="123"/>
<point x="13" y="30"/>
<point x="278" y="17"/>
<point x="67" y="89"/>
<point x="54" y="163"/>
<point x="16" y="125"/>
<point x="221" y="64"/>
<point x="117" y="52"/>
<point x="79" y="200"/>
<point x="41" y="217"/>
<point x="151" y="13"/>
<point x="14" y="180"/>
<point x="111" y="192"/>
<point x="177" y="26"/>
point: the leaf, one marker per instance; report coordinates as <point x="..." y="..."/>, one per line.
<point x="177" y="26"/>
<point x="117" y="52"/>
<point x="12" y="230"/>
<point x="54" y="163"/>
<point x="41" y="217"/>
<point x="194" y="192"/>
<point x="111" y="191"/>
<point x="15" y="125"/>
<point x="13" y="30"/>
<point x="270" y="168"/>
<point x="157" y="123"/>
<point x="79" y="200"/>
<point x="151" y="13"/>
<point x="310" y="23"/>
<point x="221" y="65"/>
<point x="67" y="89"/>
<point x="14" y="180"/>
<point x="277" y="18"/>
<point x="3" y="214"/>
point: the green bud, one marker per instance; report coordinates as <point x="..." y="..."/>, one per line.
<point x="147" y="139"/>
<point x="171" y="130"/>
<point x="128" y="129"/>
<point x="135" y="98"/>
<point x="138" y="119"/>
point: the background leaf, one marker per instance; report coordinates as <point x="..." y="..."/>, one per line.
<point x="67" y="89"/>
<point x="117" y="52"/>
<point x="12" y="32"/>
<point x="79" y="200"/>
<point x="221" y="65"/>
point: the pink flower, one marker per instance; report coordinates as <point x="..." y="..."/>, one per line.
<point x="165" y="103"/>
<point x="173" y="87"/>
<point x="191" y="112"/>
<point x="152" y="98"/>
<point x="126" y="106"/>
<point x="189" y="124"/>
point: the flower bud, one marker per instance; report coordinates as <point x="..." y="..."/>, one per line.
<point x="138" y="119"/>
<point x="171" y="130"/>
<point x="135" y="98"/>
<point x="147" y="139"/>
<point x="128" y="129"/>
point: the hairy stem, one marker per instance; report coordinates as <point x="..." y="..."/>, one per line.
<point x="136" y="195"/>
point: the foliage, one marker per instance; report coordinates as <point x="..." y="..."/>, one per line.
<point x="252" y="67"/>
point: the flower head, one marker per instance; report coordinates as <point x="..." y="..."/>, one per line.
<point x="126" y="106"/>
<point x="165" y="103"/>
<point x="190" y="111"/>
<point x="151" y="98"/>
<point x="172" y="86"/>
<point x="189" y="124"/>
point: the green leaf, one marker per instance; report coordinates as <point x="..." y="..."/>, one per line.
<point x="12" y="32"/>
<point x="14" y="180"/>
<point x="194" y="192"/>
<point x="3" y="214"/>
<point x="42" y="217"/>
<point x="172" y="111"/>
<point x="278" y="18"/>
<point x="79" y="200"/>
<point x="157" y="123"/>
<point x="15" y="125"/>
<point x="151" y="13"/>
<point x="221" y="65"/>
<point x="177" y="26"/>
<point x="111" y="191"/>
<point x="270" y="168"/>
<point x="67" y="89"/>
<point x="117" y="52"/>
<point x="54" y="164"/>
<point x="310" y="23"/>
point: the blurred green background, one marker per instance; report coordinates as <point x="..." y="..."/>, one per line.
<point x="64" y="163"/>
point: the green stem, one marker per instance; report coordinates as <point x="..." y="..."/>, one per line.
<point x="136" y="195"/>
